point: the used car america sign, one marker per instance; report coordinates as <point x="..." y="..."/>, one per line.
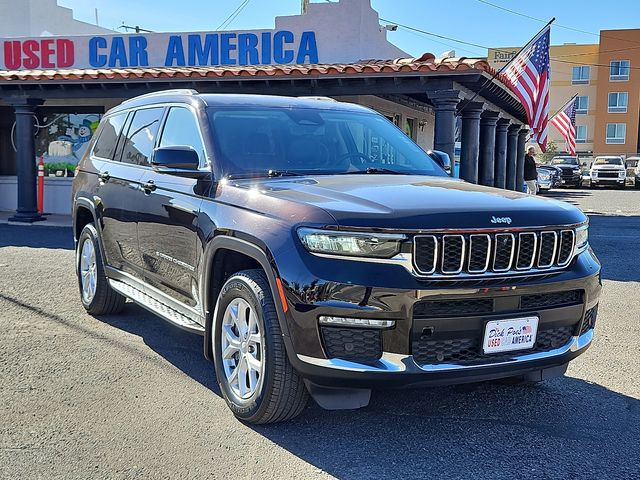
<point x="160" y="50"/>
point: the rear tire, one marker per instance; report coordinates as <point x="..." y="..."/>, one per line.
<point x="96" y="295"/>
<point x="253" y="371"/>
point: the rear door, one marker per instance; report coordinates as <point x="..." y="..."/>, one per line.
<point x="167" y="232"/>
<point x="115" y="195"/>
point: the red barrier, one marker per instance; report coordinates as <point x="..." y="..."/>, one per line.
<point x="41" y="185"/>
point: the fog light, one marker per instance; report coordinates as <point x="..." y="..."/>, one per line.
<point x="356" y="322"/>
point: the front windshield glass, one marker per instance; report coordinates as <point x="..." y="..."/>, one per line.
<point x="608" y="161"/>
<point x="564" y="161"/>
<point x="252" y="141"/>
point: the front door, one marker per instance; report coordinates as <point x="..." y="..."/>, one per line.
<point x="167" y="232"/>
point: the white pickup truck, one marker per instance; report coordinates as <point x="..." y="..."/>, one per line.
<point x="608" y="170"/>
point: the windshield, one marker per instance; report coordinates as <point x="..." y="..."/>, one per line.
<point x="255" y="141"/>
<point x="565" y="161"/>
<point x="608" y="161"/>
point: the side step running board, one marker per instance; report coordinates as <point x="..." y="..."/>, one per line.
<point x="154" y="306"/>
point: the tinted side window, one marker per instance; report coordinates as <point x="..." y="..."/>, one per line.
<point x="109" y="132"/>
<point x="181" y="128"/>
<point x="141" y="136"/>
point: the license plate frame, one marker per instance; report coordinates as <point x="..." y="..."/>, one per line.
<point x="510" y="334"/>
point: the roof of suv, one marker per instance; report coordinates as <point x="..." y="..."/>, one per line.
<point x="212" y="100"/>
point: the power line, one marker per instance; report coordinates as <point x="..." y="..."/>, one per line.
<point x="566" y="27"/>
<point x="463" y="42"/>
<point x="232" y="16"/>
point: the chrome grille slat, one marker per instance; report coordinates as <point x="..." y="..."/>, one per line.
<point x="501" y="252"/>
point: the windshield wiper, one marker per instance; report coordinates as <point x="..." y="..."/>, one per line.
<point x="283" y="173"/>
<point x="270" y="174"/>
<point x="376" y="171"/>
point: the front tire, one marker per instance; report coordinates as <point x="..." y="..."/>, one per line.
<point x="96" y="295"/>
<point x="253" y="371"/>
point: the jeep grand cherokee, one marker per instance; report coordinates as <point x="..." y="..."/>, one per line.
<point x="320" y="251"/>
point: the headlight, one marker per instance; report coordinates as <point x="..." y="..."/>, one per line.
<point x="351" y="244"/>
<point x="582" y="238"/>
<point x="622" y="174"/>
<point x="544" y="176"/>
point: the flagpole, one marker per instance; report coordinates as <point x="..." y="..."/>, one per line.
<point x="563" y="107"/>
<point x="498" y="72"/>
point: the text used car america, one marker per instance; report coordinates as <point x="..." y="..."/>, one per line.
<point x="320" y="251"/>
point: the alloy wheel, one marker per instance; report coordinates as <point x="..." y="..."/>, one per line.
<point x="88" y="272"/>
<point x="242" y="349"/>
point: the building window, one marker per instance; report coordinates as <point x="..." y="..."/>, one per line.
<point x="581" y="134"/>
<point x="616" y="132"/>
<point x="618" y="102"/>
<point x="580" y="75"/>
<point x="619" y="70"/>
<point x="582" y="105"/>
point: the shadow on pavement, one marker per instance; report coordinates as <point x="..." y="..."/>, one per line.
<point x="615" y="239"/>
<point x="36" y="237"/>
<point x="182" y="349"/>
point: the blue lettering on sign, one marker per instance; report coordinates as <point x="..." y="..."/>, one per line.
<point x="266" y="48"/>
<point x="175" y="52"/>
<point x="138" y="51"/>
<point x="280" y="55"/>
<point x="118" y="54"/>
<point x="308" y="48"/>
<point x="226" y="47"/>
<point x="248" y="49"/>
<point x="97" y="60"/>
<point x="206" y="54"/>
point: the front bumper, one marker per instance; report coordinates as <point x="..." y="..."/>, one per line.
<point x="400" y="363"/>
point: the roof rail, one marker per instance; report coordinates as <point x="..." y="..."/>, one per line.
<point x="175" y="91"/>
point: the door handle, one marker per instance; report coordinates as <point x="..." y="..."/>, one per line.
<point x="149" y="186"/>
<point x="104" y="176"/>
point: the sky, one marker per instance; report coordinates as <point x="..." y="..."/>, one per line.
<point x="468" y="20"/>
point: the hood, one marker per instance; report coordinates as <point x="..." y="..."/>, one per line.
<point x="412" y="202"/>
<point x="608" y="167"/>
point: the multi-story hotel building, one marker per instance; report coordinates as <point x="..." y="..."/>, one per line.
<point x="606" y="78"/>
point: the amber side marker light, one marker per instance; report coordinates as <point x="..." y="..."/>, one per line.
<point x="283" y="299"/>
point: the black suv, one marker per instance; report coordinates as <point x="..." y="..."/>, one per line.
<point x="320" y="251"/>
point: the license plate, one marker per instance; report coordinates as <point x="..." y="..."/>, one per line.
<point x="511" y="334"/>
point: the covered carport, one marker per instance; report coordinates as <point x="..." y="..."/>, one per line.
<point x="493" y="130"/>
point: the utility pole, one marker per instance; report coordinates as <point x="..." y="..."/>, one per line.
<point x="305" y="6"/>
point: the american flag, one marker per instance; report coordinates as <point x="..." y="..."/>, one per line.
<point x="565" y="122"/>
<point x="528" y="75"/>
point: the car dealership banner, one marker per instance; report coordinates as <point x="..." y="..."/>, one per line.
<point x="263" y="47"/>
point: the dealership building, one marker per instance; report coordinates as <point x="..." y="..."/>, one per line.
<point x="58" y="76"/>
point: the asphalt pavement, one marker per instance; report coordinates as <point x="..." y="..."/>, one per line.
<point x="130" y="396"/>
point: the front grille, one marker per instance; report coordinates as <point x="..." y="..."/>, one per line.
<point x="469" y="350"/>
<point x="589" y="321"/>
<point x="358" y="344"/>
<point x="549" y="300"/>
<point x="499" y="252"/>
<point x="452" y="308"/>
<point x="607" y="174"/>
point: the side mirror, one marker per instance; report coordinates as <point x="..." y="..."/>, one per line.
<point x="441" y="158"/>
<point x="181" y="161"/>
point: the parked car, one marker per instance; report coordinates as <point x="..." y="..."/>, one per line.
<point x="633" y="170"/>
<point x="571" y="169"/>
<point x="608" y="170"/>
<point x="555" y="174"/>
<point x="320" y="251"/>
<point x="545" y="180"/>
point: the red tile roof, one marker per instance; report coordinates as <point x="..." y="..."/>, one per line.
<point x="425" y="64"/>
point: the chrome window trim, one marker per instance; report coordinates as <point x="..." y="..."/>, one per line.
<point x="554" y="251"/>
<point x="535" y="250"/>
<point x="435" y="254"/>
<point x="486" y="264"/>
<point x="573" y="247"/>
<point x="462" y="254"/>
<point x="513" y="248"/>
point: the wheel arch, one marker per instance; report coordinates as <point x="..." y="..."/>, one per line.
<point x="259" y="256"/>
<point x="81" y="206"/>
